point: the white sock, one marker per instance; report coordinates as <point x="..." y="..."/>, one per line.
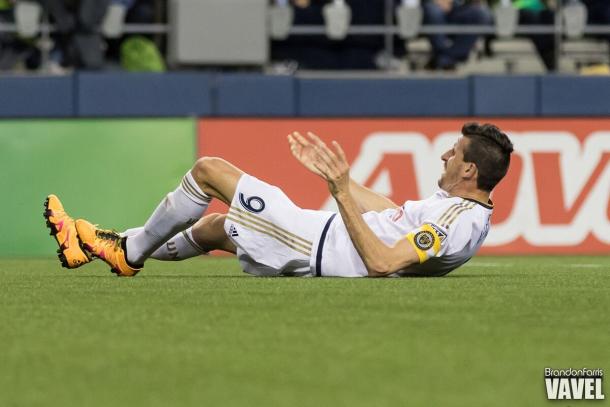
<point x="178" y="210"/>
<point x="180" y="247"/>
<point x="132" y="231"/>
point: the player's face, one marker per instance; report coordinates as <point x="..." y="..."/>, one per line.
<point x="453" y="161"/>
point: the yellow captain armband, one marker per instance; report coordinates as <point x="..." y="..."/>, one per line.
<point x="426" y="241"/>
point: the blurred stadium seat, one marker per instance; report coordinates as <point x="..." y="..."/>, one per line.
<point x="202" y="33"/>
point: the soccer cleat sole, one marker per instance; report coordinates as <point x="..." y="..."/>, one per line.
<point x="118" y="273"/>
<point x="53" y="232"/>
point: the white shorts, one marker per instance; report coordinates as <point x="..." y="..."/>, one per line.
<point x="273" y="236"/>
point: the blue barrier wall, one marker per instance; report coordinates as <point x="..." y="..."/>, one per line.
<point x="254" y="95"/>
<point x="383" y="97"/>
<point x="33" y="96"/>
<point x="149" y="94"/>
<point x="180" y="94"/>
<point x="505" y="96"/>
<point x="569" y="96"/>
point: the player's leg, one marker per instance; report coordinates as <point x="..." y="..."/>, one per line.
<point x="217" y="178"/>
<point x="209" y="234"/>
<point x="209" y="178"/>
<point x="206" y="235"/>
<point x="272" y="235"/>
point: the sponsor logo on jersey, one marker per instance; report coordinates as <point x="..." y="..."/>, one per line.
<point x="233" y="231"/>
<point x="574" y="384"/>
<point x="424" y="240"/>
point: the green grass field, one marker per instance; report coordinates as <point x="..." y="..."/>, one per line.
<point x="200" y="333"/>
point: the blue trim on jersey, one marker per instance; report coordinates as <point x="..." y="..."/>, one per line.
<point x="321" y="246"/>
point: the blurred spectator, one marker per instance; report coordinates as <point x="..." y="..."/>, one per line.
<point x="451" y="49"/>
<point x="319" y="52"/>
<point x="136" y="52"/>
<point x="138" y="11"/>
<point x="78" y="37"/>
<point x="539" y="12"/>
<point x="598" y="13"/>
<point x="15" y="52"/>
<point x="7" y="54"/>
<point x="542" y="12"/>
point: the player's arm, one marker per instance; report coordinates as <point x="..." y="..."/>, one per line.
<point x="379" y="258"/>
<point x="366" y="199"/>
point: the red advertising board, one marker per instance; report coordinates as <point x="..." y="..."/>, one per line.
<point x="555" y="198"/>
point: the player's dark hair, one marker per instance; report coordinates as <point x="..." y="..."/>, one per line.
<point x="489" y="149"/>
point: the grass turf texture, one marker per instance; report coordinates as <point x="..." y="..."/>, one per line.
<point x="200" y="333"/>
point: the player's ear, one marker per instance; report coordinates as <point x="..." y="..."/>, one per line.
<point x="470" y="170"/>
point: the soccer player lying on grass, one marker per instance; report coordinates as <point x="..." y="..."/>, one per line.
<point x="271" y="236"/>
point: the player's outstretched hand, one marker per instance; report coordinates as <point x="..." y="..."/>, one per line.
<point x="303" y="151"/>
<point x="315" y="155"/>
<point x="331" y="164"/>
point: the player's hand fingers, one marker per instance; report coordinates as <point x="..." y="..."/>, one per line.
<point x="300" y="139"/>
<point x="339" y="151"/>
<point x="318" y="142"/>
<point x="295" y="148"/>
<point x="322" y="146"/>
<point x="321" y="167"/>
<point x="341" y="158"/>
<point x="315" y="139"/>
<point x="322" y="154"/>
<point x="291" y="141"/>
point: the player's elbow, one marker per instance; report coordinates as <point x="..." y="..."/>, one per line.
<point x="393" y="262"/>
<point x="379" y="268"/>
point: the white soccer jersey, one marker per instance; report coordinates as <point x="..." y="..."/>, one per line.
<point x="445" y="232"/>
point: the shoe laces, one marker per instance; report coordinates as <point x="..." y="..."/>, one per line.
<point x="109" y="237"/>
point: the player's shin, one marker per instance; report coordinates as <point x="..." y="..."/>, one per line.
<point x="178" y="210"/>
<point x="180" y="247"/>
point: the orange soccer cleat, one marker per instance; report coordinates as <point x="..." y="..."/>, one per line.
<point x="106" y="245"/>
<point x="71" y="252"/>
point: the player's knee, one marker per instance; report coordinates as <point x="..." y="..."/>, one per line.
<point x="199" y="228"/>
<point x="206" y="168"/>
<point x="215" y="220"/>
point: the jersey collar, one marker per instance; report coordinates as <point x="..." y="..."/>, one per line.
<point x="445" y="194"/>
<point x="488" y="205"/>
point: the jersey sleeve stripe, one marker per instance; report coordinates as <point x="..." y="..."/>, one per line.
<point x="452" y="209"/>
<point x="455" y="215"/>
<point x="444" y="215"/>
